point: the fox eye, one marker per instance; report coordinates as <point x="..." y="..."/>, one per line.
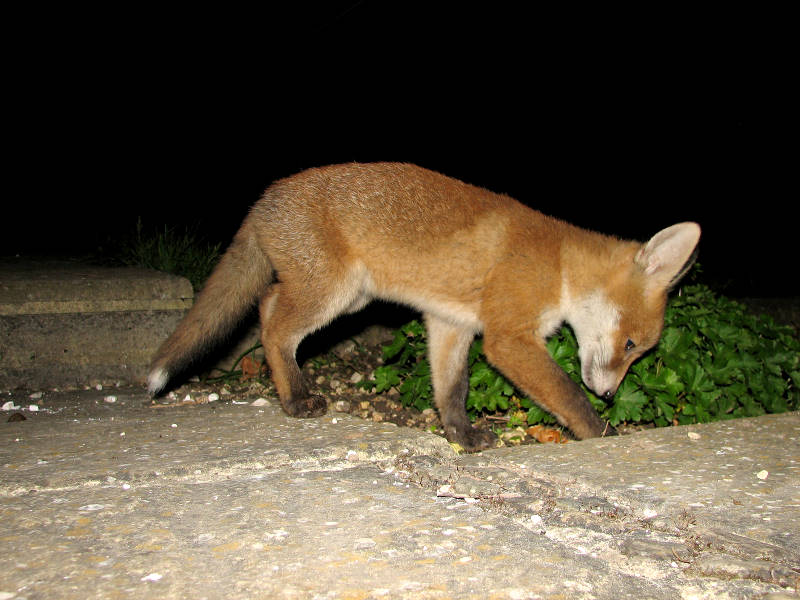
<point x="629" y="345"/>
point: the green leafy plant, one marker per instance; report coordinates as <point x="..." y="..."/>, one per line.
<point x="408" y="369"/>
<point x="714" y="361"/>
<point x="491" y="392"/>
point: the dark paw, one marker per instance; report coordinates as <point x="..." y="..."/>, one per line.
<point x="592" y="427"/>
<point x="306" y="407"/>
<point x="471" y="439"/>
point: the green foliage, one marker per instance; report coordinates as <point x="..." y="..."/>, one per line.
<point x="490" y="392"/>
<point x="177" y="252"/>
<point x="409" y="369"/>
<point x="717" y="361"/>
<point x="714" y="361"/>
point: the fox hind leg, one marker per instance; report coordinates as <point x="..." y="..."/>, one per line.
<point x="288" y="314"/>
<point x="448" y="347"/>
<point x="284" y="324"/>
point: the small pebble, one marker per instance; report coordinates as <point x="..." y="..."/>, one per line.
<point x="110" y="399"/>
<point x="213" y="397"/>
<point x="762" y="474"/>
<point x="693" y="436"/>
<point x="260" y="402"/>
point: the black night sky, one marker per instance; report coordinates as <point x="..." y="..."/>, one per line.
<point x="623" y="122"/>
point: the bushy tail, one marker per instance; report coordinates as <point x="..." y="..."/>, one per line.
<point x="240" y="278"/>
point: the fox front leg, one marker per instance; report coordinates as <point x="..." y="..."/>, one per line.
<point x="524" y="359"/>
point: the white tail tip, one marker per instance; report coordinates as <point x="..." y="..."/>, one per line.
<point x="156" y="380"/>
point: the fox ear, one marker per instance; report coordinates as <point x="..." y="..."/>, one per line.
<point x="669" y="254"/>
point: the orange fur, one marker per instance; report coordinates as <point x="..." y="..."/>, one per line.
<point x="328" y="240"/>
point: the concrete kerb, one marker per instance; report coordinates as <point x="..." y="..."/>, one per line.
<point x="68" y="324"/>
<point x="65" y="323"/>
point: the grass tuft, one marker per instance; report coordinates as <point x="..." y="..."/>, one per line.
<point x="180" y="252"/>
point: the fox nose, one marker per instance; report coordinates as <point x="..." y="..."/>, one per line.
<point x="608" y="394"/>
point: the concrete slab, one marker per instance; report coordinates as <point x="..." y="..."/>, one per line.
<point x="124" y="499"/>
<point x="69" y="324"/>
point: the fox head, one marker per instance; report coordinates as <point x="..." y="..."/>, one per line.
<point x="622" y="319"/>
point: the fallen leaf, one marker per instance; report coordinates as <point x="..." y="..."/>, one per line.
<point x="458" y="448"/>
<point x="252" y="368"/>
<point x="546" y="435"/>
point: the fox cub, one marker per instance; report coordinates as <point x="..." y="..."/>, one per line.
<point x="329" y="240"/>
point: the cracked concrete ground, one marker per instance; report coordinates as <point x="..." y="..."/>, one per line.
<point x="219" y="500"/>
